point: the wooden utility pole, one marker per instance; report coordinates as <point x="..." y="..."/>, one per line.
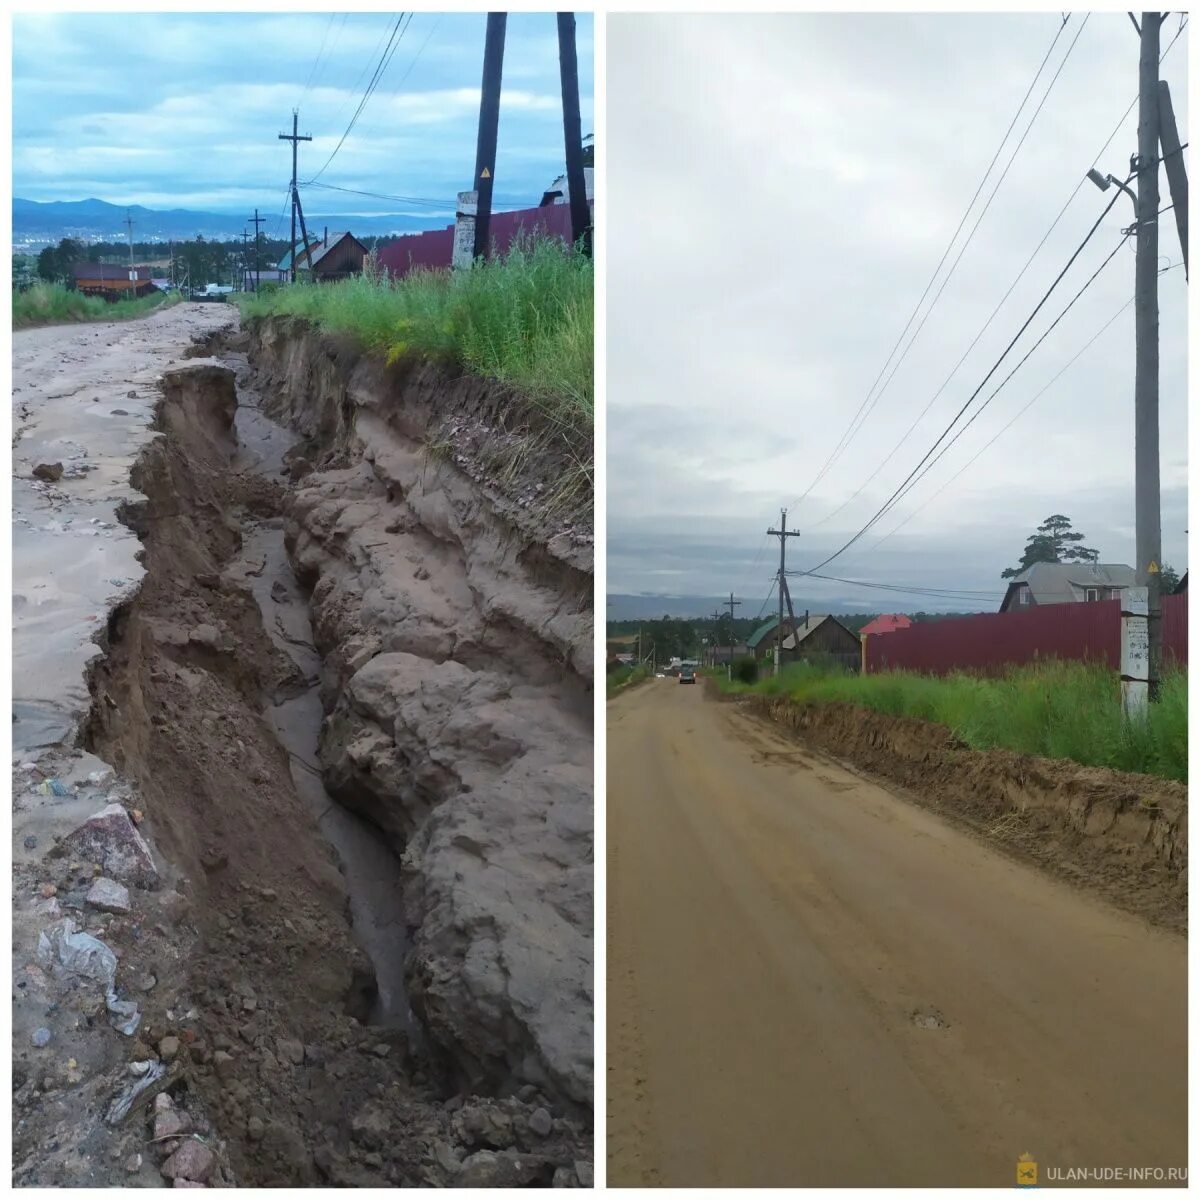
<point x="1172" y="156"/>
<point x="132" y="279"/>
<point x="257" y="271"/>
<point x="782" y="533"/>
<point x="730" y="604"/>
<point x="295" y="138"/>
<point x="568" y="68"/>
<point x="489" y="124"/>
<point x="1148" y="517"/>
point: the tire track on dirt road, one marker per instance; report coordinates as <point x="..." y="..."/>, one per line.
<point x="814" y="982"/>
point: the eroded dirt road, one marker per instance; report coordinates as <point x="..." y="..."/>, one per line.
<point x="814" y="982"/>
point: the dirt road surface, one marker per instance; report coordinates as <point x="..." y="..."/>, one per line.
<point x="814" y="982"/>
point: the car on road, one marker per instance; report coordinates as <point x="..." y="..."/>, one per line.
<point x="687" y="674"/>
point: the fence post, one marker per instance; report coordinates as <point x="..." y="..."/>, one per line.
<point x="463" y="254"/>
<point x="1135" y="651"/>
<point x="862" y="637"/>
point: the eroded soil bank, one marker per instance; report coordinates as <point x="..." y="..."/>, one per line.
<point x="431" y="696"/>
<point x="1121" y="835"/>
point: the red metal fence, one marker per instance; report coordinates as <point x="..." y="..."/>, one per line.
<point x="992" y="642"/>
<point x="434" y="248"/>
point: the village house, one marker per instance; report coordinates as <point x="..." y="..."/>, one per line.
<point x="885" y="623"/>
<point x="331" y="257"/>
<point x="112" y="281"/>
<point x="813" y="635"/>
<point x="1067" y="583"/>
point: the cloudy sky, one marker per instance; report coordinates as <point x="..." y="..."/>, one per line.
<point x="781" y="190"/>
<point x="186" y="109"/>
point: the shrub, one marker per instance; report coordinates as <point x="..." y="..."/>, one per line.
<point x="745" y="670"/>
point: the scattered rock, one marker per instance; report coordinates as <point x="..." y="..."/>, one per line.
<point x="133" y="1164"/>
<point x="381" y="1049"/>
<point x="541" y="1123"/>
<point x="48" y="891"/>
<point x="193" y="1161"/>
<point x="171" y="1123"/>
<point x="41" y="1037"/>
<point x="290" y="1051"/>
<point x="489" y="1168"/>
<point x="222" y="1062"/>
<point x="110" y="839"/>
<point x="168" y="1048"/>
<point x="48" y="472"/>
<point x="31" y="842"/>
<point x="585" y="1173"/>
<point x="146" y="983"/>
<point x="254" y="1129"/>
<point x="109" y="896"/>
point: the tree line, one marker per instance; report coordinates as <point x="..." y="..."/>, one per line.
<point x="198" y="260"/>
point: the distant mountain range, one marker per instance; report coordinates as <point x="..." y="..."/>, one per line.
<point x="93" y="220"/>
<point x="651" y="608"/>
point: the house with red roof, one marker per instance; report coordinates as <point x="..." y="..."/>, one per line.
<point x="887" y="623"/>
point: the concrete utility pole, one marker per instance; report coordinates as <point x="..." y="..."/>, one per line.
<point x="295" y="138"/>
<point x="1148" y="516"/>
<point x="568" y="67"/>
<point x="257" y="272"/>
<point x="489" y="124"/>
<point x="716" y="617"/>
<point x="782" y="533"/>
<point x="730" y="604"/>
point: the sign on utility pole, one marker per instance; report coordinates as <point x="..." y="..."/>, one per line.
<point x="1135" y="652"/>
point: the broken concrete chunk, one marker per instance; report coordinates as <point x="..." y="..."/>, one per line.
<point x="192" y="1161"/>
<point x="111" y="839"/>
<point x="109" y="896"/>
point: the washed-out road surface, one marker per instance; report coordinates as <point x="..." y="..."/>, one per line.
<point x="812" y="981"/>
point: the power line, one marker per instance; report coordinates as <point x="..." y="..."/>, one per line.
<point x="316" y="62"/>
<point x="970" y="400"/>
<point x="943" y="593"/>
<point x="848" y="436"/>
<point x="385" y="59"/>
<point x="983" y="213"/>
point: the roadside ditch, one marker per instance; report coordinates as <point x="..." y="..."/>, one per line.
<point x="1121" y="835"/>
<point x="352" y="698"/>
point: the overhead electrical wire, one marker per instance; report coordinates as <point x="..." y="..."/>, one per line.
<point x="1028" y="262"/>
<point x="983" y="213"/>
<point x="995" y="367"/>
<point x="1016" y="417"/>
<point x="848" y="436"/>
<point x="398" y="32"/>
<point x="312" y="71"/>
<point x="944" y="593"/>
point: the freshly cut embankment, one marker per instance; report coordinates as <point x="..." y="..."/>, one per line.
<point x="525" y="320"/>
<point x="1116" y="833"/>
<point x="1057" y="710"/>
<point x="52" y="304"/>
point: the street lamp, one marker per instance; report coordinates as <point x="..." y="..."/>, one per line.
<point x="1104" y="182"/>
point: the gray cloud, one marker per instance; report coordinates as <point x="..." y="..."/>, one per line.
<point x="780" y="190"/>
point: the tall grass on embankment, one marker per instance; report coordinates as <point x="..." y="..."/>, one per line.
<point x="1056" y="710"/>
<point x="525" y="319"/>
<point x="623" y="678"/>
<point x="53" y="304"/>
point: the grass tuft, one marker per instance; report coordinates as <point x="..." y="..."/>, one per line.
<point x="1056" y="710"/>
<point x="52" y="303"/>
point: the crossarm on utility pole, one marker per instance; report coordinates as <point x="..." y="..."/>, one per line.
<point x="1172" y="156"/>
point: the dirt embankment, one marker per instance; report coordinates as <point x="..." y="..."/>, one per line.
<point x="1122" y="835"/>
<point x="453" y="612"/>
<point x="456" y="651"/>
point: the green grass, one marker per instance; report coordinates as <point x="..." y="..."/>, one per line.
<point x="1057" y="710"/>
<point x="625" y="677"/>
<point x="526" y="319"/>
<point x="52" y="303"/>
